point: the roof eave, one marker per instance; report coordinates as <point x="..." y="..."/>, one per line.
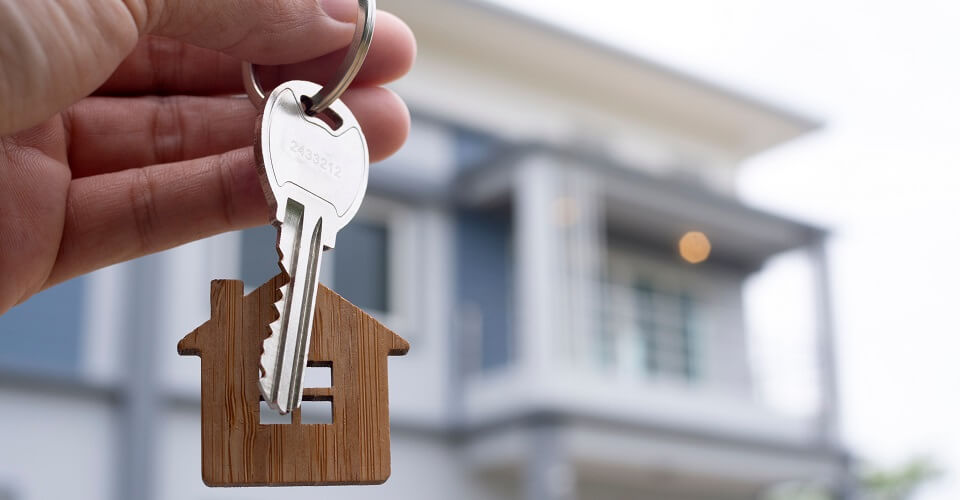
<point x="527" y="50"/>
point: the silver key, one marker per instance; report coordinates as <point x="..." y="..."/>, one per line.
<point x="315" y="178"/>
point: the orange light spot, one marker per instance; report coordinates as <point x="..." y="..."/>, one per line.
<point x="695" y="247"/>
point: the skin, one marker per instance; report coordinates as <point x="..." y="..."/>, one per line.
<point x="121" y="133"/>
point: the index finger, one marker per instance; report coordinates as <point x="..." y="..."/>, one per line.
<point x="165" y="66"/>
<point x="60" y="62"/>
<point x="259" y="31"/>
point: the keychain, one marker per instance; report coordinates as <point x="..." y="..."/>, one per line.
<point x="313" y="163"/>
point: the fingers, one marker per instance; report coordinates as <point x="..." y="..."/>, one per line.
<point x="384" y="118"/>
<point x="260" y="31"/>
<point x="55" y="53"/>
<point x="113" y="134"/>
<point x="167" y="66"/>
<point x="63" y="51"/>
<point x="123" y="215"/>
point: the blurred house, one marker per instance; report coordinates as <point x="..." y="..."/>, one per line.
<point x="525" y="242"/>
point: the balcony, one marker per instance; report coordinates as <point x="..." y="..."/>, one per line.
<point x="635" y="360"/>
<point x="683" y="367"/>
<point x="661" y="389"/>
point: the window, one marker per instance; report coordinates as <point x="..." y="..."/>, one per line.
<point x="269" y="416"/>
<point x="361" y="272"/>
<point x="317" y="412"/>
<point x="317" y="405"/>
<point x="664" y="329"/>
<point x="484" y="287"/>
<point x="259" y="260"/>
<point x="651" y="326"/>
<point x="43" y="335"/>
<point x="361" y="268"/>
<point x="474" y="149"/>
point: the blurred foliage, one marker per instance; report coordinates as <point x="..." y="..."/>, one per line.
<point x="798" y="491"/>
<point x="896" y="483"/>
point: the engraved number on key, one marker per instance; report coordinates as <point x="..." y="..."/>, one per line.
<point x="315" y="178"/>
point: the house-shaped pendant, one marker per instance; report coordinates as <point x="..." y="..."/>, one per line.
<point x="240" y="451"/>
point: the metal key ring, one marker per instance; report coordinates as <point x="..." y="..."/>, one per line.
<point x="362" y="37"/>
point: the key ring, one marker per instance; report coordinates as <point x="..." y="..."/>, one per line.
<point x="362" y="37"/>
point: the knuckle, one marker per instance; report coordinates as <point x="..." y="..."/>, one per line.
<point x="165" y="53"/>
<point x="168" y="129"/>
<point x="141" y="11"/>
<point x="143" y="211"/>
<point x="225" y="183"/>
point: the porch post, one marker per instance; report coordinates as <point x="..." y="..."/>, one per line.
<point x="548" y="474"/>
<point x="826" y="354"/>
<point x="536" y="245"/>
<point x="844" y="487"/>
<point x="579" y="215"/>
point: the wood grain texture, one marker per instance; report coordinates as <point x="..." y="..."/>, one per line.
<point x="240" y="451"/>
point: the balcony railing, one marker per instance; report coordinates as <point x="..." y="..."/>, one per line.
<point x="674" y="338"/>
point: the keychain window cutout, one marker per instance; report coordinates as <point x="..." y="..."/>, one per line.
<point x="269" y="416"/>
<point x="318" y="376"/>
<point x="318" y="412"/>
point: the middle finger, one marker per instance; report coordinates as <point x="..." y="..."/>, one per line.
<point x="110" y="134"/>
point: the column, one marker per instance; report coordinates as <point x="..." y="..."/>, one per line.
<point x="548" y="474"/>
<point x="140" y="403"/>
<point x="825" y="344"/>
<point x="845" y="482"/>
<point x="537" y="244"/>
<point x="578" y="215"/>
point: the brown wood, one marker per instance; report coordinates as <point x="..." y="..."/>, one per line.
<point x="237" y="449"/>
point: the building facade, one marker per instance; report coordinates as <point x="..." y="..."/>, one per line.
<point x="524" y="242"/>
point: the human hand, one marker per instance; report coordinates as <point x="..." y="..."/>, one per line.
<point x="119" y="134"/>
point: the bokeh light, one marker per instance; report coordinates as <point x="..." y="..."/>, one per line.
<point x="695" y="247"/>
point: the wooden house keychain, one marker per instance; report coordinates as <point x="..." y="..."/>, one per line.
<point x="313" y="163"/>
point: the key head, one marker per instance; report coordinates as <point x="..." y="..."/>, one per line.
<point x="323" y="167"/>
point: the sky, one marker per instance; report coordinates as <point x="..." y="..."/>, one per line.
<point x="881" y="174"/>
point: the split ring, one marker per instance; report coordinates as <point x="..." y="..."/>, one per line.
<point x="362" y="38"/>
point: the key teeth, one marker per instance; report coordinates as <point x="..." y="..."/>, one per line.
<point x="271" y="342"/>
<point x="270" y="347"/>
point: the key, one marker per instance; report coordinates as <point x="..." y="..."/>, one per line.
<point x="315" y="177"/>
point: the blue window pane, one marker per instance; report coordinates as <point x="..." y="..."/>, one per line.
<point x="258" y="256"/>
<point x="361" y="271"/>
<point x="473" y="149"/>
<point x="484" y="277"/>
<point x="43" y="335"/>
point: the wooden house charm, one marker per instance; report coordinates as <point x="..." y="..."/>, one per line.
<point x="240" y="451"/>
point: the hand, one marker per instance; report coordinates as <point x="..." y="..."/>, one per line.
<point x="121" y="133"/>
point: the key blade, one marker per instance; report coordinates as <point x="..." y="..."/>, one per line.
<point x="285" y="351"/>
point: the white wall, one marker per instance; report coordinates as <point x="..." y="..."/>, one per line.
<point x="53" y="445"/>
<point x="423" y="468"/>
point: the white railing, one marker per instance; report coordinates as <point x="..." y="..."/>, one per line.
<point x="662" y="337"/>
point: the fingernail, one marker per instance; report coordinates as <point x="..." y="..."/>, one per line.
<point x="342" y="10"/>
